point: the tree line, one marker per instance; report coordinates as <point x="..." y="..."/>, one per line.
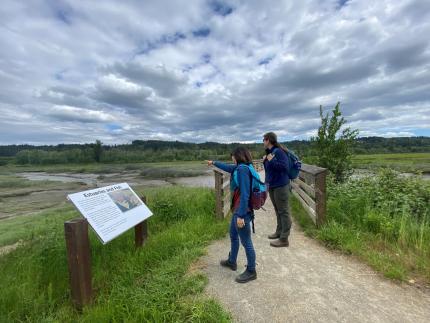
<point x="156" y="150"/>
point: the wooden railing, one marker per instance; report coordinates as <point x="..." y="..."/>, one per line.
<point x="222" y="193"/>
<point x="258" y="165"/>
<point x="310" y="189"/>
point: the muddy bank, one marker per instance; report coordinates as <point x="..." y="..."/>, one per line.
<point x="24" y="201"/>
<point x="132" y="178"/>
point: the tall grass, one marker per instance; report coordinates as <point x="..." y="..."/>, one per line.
<point x="402" y="162"/>
<point x="385" y="220"/>
<point x="170" y="172"/>
<point x="148" y="285"/>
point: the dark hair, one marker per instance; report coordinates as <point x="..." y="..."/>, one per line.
<point x="273" y="139"/>
<point x="242" y="155"/>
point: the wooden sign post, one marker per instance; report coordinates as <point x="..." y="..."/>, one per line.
<point x="79" y="260"/>
<point x="141" y="230"/>
<point x="79" y="257"/>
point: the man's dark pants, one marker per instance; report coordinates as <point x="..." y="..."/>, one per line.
<point x="279" y="198"/>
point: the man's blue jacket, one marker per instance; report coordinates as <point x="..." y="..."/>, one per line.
<point x="276" y="169"/>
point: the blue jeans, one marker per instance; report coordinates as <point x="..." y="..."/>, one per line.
<point x="245" y="238"/>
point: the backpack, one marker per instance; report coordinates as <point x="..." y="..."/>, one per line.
<point x="258" y="192"/>
<point x="294" y="164"/>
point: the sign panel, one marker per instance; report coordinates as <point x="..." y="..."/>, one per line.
<point x="111" y="210"/>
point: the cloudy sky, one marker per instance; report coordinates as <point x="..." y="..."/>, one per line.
<point x="77" y="71"/>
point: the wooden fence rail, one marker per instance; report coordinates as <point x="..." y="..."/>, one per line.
<point x="309" y="188"/>
<point x="222" y="193"/>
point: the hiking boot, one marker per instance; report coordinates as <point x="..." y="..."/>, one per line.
<point x="280" y="243"/>
<point x="227" y="263"/>
<point x="246" y="276"/>
<point x="273" y="236"/>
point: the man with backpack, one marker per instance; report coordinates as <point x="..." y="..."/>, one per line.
<point x="276" y="165"/>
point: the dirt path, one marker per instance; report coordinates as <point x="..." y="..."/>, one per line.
<point x="308" y="283"/>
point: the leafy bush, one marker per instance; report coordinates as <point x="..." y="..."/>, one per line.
<point x="334" y="143"/>
<point x="395" y="207"/>
<point x="384" y="220"/>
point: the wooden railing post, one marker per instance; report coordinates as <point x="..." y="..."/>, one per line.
<point x="258" y="165"/>
<point x="310" y="190"/>
<point x="320" y="197"/>
<point x="219" y="194"/>
<point x="79" y="261"/>
<point x="141" y="230"/>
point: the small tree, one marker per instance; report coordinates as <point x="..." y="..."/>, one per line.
<point x="98" y="151"/>
<point x="333" y="145"/>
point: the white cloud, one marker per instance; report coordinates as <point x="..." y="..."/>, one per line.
<point x="68" y="113"/>
<point x="253" y="67"/>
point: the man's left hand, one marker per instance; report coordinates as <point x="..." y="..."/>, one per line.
<point x="269" y="157"/>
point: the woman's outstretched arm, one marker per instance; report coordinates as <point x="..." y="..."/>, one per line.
<point x="229" y="168"/>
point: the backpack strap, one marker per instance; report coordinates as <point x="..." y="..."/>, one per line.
<point x="252" y="220"/>
<point x="259" y="180"/>
<point x="277" y="149"/>
<point x="250" y="197"/>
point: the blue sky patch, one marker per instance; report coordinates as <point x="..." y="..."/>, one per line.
<point x="421" y="132"/>
<point x="61" y="11"/>
<point x="172" y="39"/>
<point x="206" y="58"/>
<point x="64" y="17"/>
<point x="59" y="76"/>
<point x="265" y="60"/>
<point x="146" y="47"/>
<point x="221" y="8"/>
<point x="112" y="127"/>
<point x="202" y="32"/>
<point x="341" y="3"/>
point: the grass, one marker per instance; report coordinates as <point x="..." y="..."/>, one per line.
<point x="148" y="285"/>
<point x="31" y="227"/>
<point x="402" y="162"/>
<point x="170" y="172"/>
<point x="384" y="221"/>
<point x="385" y="225"/>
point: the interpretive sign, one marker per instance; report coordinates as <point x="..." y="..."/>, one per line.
<point x="111" y="210"/>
